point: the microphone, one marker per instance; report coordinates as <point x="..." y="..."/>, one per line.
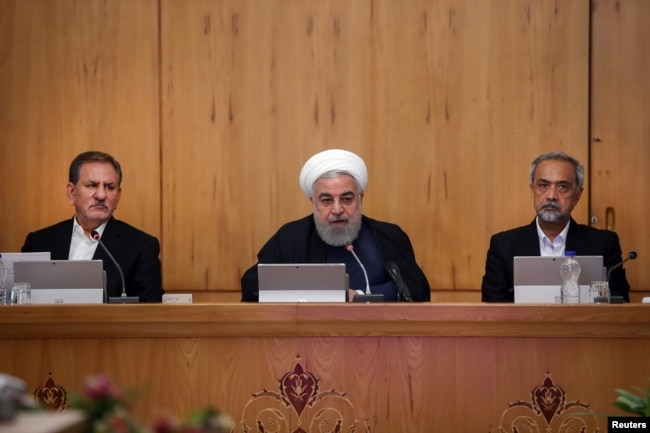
<point x="350" y="248"/>
<point x="396" y="276"/>
<point x="124" y="299"/>
<point x="367" y="297"/>
<point x="630" y="256"/>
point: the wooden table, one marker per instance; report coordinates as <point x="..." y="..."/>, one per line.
<point x="380" y="367"/>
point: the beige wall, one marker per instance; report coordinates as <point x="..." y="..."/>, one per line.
<point x="212" y="107"/>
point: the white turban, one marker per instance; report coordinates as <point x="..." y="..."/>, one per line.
<point x="332" y="160"/>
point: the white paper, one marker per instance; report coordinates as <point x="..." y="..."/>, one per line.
<point x="8" y="260"/>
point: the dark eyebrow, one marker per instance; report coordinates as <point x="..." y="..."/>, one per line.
<point x="99" y="182"/>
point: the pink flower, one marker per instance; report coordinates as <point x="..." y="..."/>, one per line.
<point x="165" y="423"/>
<point x="101" y="386"/>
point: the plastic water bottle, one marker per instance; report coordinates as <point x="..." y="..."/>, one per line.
<point x="3" y="278"/>
<point x="570" y="271"/>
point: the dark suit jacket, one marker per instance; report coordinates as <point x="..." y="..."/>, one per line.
<point x="498" y="281"/>
<point x="298" y="242"/>
<point x="136" y="251"/>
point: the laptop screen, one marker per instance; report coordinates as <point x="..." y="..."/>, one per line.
<point x="537" y="279"/>
<point x="302" y="282"/>
<point x="63" y="281"/>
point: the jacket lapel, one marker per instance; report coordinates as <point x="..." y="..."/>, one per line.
<point x="527" y="243"/>
<point x="110" y="238"/>
<point x="574" y="238"/>
<point x="60" y="247"/>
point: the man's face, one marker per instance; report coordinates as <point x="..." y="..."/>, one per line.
<point x="554" y="190"/>
<point x="337" y="209"/>
<point x="96" y="194"/>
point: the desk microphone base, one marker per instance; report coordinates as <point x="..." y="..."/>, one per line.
<point x="368" y="298"/>
<point x="124" y="300"/>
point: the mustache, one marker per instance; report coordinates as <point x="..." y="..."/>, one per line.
<point x="552" y="204"/>
<point x="338" y="219"/>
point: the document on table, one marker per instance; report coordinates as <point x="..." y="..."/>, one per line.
<point x="8" y="260"/>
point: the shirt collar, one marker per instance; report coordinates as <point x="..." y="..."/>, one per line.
<point x="555" y="247"/>
<point x="76" y="228"/>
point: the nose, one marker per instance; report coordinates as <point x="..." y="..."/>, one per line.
<point x="552" y="193"/>
<point x="337" y="208"/>
<point x="100" y="193"/>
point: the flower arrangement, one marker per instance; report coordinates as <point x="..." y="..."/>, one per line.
<point x="107" y="410"/>
<point x="633" y="403"/>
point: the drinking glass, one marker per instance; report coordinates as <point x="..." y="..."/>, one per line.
<point x="21" y="294"/>
<point x="599" y="292"/>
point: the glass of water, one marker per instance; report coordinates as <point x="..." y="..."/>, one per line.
<point x="599" y="292"/>
<point x="21" y="294"/>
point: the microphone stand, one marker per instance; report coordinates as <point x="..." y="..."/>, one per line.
<point x="124" y="299"/>
<point x="618" y="299"/>
<point x="367" y="297"/>
<point x="402" y="289"/>
<point x="631" y="256"/>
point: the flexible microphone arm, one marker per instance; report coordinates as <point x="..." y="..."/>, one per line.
<point x="350" y="248"/>
<point x="631" y="256"/>
<point x="95" y="236"/>
<point x="396" y="276"/>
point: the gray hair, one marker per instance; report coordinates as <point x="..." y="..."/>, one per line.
<point x="560" y="156"/>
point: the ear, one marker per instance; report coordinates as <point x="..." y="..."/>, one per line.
<point x="69" y="192"/>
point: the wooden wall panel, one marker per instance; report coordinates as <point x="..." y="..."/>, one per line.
<point x="469" y="94"/>
<point x="213" y="106"/>
<point x="265" y="86"/>
<point x="76" y="76"/>
<point x="447" y="101"/>
<point x="620" y="129"/>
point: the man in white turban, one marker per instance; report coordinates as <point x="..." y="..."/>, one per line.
<point x="335" y="181"/>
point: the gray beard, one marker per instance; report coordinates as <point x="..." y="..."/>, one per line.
<point x="550" y="216"/>
<point x="339" y="236"/>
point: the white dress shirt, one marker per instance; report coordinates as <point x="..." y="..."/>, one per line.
<point x="82" y="247"/>
<point x="557" y="246"/>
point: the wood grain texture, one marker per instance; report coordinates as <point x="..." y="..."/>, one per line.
<point x="448" y="103"/>
<point x="76" y="76"/>
<point x="298" y="320"/>
<point x="620" y="136"/>
<point x="397" y="368"/>
<point x="212" y="107"/>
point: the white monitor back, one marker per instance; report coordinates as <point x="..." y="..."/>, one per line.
<point x="63" y="281"/>
<point x="537" y="279"/>
<point x="302" y="282"/>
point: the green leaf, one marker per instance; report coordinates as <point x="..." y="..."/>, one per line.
<point x="632" y="403"/>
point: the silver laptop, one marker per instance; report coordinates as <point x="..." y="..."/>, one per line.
<point x="302" y="282"/>
<point x="537" y="279"/>
<point x="63" y="281"/>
